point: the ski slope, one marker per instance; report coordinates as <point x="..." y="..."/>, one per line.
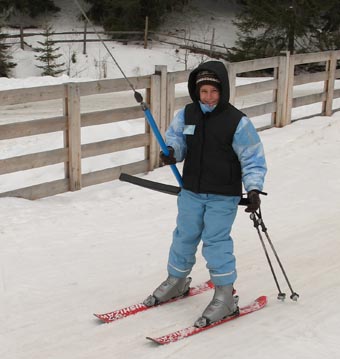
<point x="65" y="257"/>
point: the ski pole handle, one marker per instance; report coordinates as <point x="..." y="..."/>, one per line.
<point x="160" y="140"/>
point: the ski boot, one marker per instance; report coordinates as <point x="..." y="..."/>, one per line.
<point x="223" y="304"/>
<point x="171" y="288"/>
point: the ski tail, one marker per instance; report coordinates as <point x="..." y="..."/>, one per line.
<point x="140" y="307"/>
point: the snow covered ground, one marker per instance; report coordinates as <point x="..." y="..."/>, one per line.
<point x="65" y="257"/>
<point x="205" y="15"/>
<point x="105" y="247"/>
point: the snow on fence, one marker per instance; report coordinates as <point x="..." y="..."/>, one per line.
<point x="160" y="92"/>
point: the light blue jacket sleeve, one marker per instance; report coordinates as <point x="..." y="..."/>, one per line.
<point x="174" y="136"/>
<point x="248" y="147"/>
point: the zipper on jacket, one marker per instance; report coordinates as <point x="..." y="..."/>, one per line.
<point x="204" y="119"/>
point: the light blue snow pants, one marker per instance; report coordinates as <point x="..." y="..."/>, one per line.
<point x="208" y="217"/>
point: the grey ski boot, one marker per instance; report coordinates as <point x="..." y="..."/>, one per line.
<point x="171" y="288"/>
<point x="223" y="305"/>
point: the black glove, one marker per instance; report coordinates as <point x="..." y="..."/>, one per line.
<point x="168" y="160"/>
<point x="253" y="201"/>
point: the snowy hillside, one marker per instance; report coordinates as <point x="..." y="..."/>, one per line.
<point x="105" y="247"/>
<point x="65" y="257"/>
<point x="203" y="17"/>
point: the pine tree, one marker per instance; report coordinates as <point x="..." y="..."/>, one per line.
<point x="49" y="55"/>
<point x="267" y="28"/>
<point x="32" y="8"/>
<point x="120" y="15"/>
<point x="327" y="36"/>
<point x="5" y="59"/>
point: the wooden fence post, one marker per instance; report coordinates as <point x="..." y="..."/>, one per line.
<point x="161" y="70"/>
<point x="170" y="92"/>
<point x="22" y="38"/>
<point x="329" y="85"/>
<point x="288" y="103"/>
<point x="73" y="136"/>
<point x="155" y="108"/>
<point x="275" y="92"/>
<point x="232" y="82"/>
<point x="281" y="93"/>
<point x="65" y="133"/>
<point x="146" y="29"/>
<point x="85" y="33"/>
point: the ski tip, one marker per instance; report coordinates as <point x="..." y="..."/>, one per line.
<point x="263" y="300"/>
<point x="210" y="284"/>
<point x="100" y="318"/>
<point x="153" y="340"/>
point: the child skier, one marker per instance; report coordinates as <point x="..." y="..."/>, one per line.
<point x="221" y="149"/>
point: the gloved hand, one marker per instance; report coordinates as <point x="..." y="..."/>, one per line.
<point x="254" y="201"/>
<point x="168" y="160"/>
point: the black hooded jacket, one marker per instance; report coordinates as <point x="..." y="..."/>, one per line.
<point x="211" y="165"/>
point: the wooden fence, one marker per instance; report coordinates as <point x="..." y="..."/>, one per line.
<point x="70" y="124"/>
<point x="281" y="85"/>
<point x="23" y="35"/>
<point x="161" y="94"/>
<point x="83" y="37"/>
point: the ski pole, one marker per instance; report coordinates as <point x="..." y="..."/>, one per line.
<point x="294" y="296"/>
<point x="281" y="295"/>
<point x="138" y="98"/>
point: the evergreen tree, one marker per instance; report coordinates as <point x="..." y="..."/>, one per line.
<point x="327" y="37"/>
<point x="29" y="7"/>
<point x="120" y="15"/>
<point x="49" y="55"/>
<point x="267" y="28"/>
<point x="5" y="59"/>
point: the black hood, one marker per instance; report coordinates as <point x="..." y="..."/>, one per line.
<point x="219" y="69"/>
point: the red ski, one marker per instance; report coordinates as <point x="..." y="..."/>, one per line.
<point x="140" y="307"/>
<point x="257" y="304"/>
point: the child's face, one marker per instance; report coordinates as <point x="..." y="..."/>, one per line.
<point x="209" y="95"/>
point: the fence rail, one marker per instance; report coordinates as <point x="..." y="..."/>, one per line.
<point x="146" y="35"/>
<point x="161" y="94"/>
<point x="83" y="36"/>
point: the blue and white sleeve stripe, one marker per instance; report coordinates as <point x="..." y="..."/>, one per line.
<point x="249" y="149"/>
<point x="174" y="136"/>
